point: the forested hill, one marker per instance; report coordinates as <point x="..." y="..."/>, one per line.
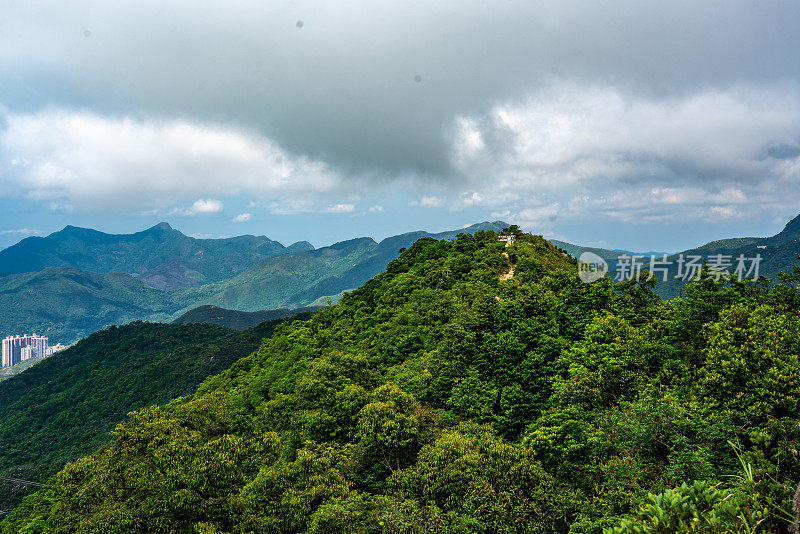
<point x="471" y="388"/>
<point x="239" y="320"/>
<point x="162" y="257"/>
<point x="63" y="407"/>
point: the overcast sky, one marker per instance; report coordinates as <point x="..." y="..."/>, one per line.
<point x="626" y="124"/>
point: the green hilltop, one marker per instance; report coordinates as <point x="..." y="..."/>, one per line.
<point x="471" y="387"/>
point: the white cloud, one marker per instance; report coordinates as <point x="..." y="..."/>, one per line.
<point x="341" y="208"/>
<point x="600" y="150"/>
<point x="20" y="231"/>
<point x="206" y="206"/>
<point x="500" y="214"/>
<point x="242" y="217"/>
<point x="201" y="206"/>
<point x="468" y="199"/>
<point x="376" y="209"/>
<point x="538" y="214"/>
<point x="106" y="164"/>
<point x="724" y="212"/>
<point x="429" y="201"/>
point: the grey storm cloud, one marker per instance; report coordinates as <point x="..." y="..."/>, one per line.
<point x="555" y="100"/>
<point x="341" y="85"/>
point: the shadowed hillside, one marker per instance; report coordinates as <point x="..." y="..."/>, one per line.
<point x="65" y="405"/>
<point x="238" y="320"/>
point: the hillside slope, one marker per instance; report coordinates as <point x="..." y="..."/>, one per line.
<point x="778" y="253"/>
<point x="470" y="388"/>
<point x="67" y="304"/>
<point x="8" y="372"/>
<point x="64" y="407"/>
<point x="300" y="279"/>
<point x="238" y="320"/>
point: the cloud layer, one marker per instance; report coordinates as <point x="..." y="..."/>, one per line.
<point x="598" y="150"/>
<point x="566" y="151"/>
<point x="534" y="111"/>
<point x="107" y="164"/>
<point x="343" y="86"/>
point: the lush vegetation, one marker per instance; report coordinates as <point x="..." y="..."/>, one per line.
<point x="8" y="372"/>
<point x="238" y="320"/>
<point x="447" y="396"/>
<point x="63" y="407"/>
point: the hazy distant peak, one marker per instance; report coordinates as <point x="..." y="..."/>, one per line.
<point x="792" y="227"/>
<point x="300" y="246"/>
<point x="486" y="225"/>
<point x="352" y="242"/>
<point x="70" y="229"/>
<point x="160" y="229"/>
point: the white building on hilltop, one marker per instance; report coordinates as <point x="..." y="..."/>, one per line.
<point x="508" y="239"/>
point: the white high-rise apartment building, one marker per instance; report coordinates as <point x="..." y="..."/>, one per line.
<point x="27" y="353"/>
<point x="13" y="348"/>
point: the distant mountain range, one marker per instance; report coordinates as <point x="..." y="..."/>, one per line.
<point x="778" y="253"/>
<point x="161" y="257"/>
<point x="77" y="281"/>
<point x="314" y="277"/>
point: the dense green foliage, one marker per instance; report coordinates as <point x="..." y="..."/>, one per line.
<point x="446" y="395"/>
<point x="63" y="408"/>
<point x="238" y="320"/>
<point x="8" y="372"/>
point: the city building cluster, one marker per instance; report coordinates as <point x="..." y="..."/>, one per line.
<point x="17" y="349"/>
